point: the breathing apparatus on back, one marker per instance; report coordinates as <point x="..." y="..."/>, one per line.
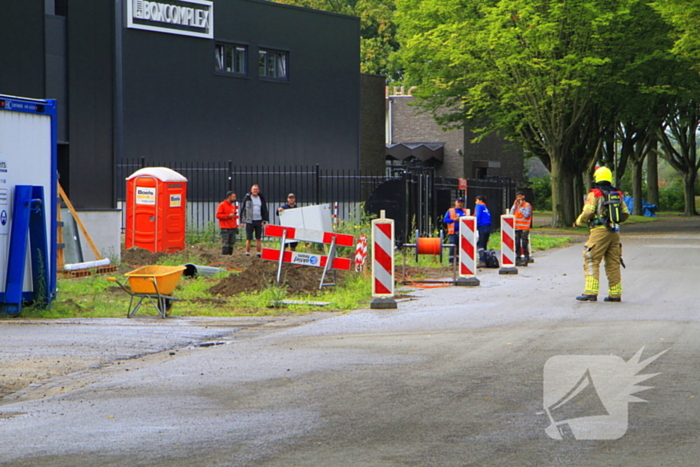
<point x="609" y="210"/>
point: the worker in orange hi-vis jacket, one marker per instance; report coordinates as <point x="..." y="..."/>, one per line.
<point x="522" y="210"/>
<point x="451" y="220"/>
<point x="227" y="212"/>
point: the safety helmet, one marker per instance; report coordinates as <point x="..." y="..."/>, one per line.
<point x="602" y="174"/>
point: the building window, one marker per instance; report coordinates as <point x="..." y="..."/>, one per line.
<point x="274" y="64"/>
<point x="232" y="59"/>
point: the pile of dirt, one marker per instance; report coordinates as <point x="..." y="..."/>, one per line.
<point x="202" y="255"/>
<point x="139" y="257"/>
<point x="262" y="274"/>
<point x="254" y="274"/>
<point x="199" y="254"/>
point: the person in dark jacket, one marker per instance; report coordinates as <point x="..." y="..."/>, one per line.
<point x="254" y="215"/>
<point x="291" y="204"/>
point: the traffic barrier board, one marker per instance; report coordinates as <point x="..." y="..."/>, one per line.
<point x="467" y="246"/>
<point x="306" y="259"/>
<point x="382" y="257"/>
<point x="508" y="245"/>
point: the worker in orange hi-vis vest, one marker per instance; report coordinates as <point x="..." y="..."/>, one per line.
<point x="451" y="219"/>
<point x="226" y="213"/>
<point x="522" y="210"/>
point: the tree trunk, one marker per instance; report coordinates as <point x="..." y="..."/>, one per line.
<point x="637" y="175"/>
<point x="579" y="193"/>
<point x="562" y="194"/>
<point x="653" y="177"/>
<point x="689" y="194"/>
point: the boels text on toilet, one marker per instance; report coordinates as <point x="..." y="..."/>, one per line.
<point x="145" y="195"/>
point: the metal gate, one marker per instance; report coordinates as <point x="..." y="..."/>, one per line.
<point x="417" y="200"/>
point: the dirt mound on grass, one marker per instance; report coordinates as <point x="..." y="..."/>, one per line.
<point x="255" y="274"/>
<point x="139" y="257"/>
<point x="262" y="274"/>
<point x="201" y="255"/>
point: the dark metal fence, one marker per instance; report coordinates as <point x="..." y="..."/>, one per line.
<point x="499" y="193"/>
<point x="208" y="182"/>
<point x="417" y="200"/>
<point x="413" y="196"/>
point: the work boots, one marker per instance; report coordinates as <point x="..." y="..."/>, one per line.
<point x="226" y="250"/>
<point x="594" y="298"/>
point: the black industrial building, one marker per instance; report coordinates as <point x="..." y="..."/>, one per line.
<point x="249" y="81"/>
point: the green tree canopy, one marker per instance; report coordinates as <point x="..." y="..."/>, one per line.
<point x="678" y="136"/>
<point x="637" y="95"/>
<point x="684" y="16"/>
<point x="531" y="67"/>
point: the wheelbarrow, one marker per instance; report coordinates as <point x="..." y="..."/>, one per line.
<point x="152" y="283"/>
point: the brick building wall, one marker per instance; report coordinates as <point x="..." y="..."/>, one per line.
<point x="409" y="125"/>
<point x="493" y="156"/>
<point x="494" y="148"/>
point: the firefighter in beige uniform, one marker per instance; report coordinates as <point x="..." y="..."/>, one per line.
<point x="603" y="240"/>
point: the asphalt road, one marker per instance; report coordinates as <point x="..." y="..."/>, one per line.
<point x="458" y="376"/>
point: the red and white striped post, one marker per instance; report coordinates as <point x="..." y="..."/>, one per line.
<point x="508" y="245"/>
<point x="335" y="214"/>
<point x="383" y="263"/>
<point x="467" y="252"/>
<point x="360" y="253"/>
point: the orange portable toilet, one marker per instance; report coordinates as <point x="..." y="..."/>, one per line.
<point x="155" y="209"/>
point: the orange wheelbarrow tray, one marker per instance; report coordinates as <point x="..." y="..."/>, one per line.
<point x="152" y="283"/>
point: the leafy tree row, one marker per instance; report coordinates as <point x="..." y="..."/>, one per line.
<point x="576" y="82"/>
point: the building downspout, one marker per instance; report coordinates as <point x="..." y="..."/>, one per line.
<point x="389" y="124"/>
<point x="118" y="118"/>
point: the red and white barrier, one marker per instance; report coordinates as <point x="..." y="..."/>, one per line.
<point x="360" y="253"/>
<point x="508" y="245"/>
<point x="313" y="236"/>
<point x="383" y="259"/>
<point x="306" y="259"/>
<point x="467" y="251"/>
<point x="238" y="214"/>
